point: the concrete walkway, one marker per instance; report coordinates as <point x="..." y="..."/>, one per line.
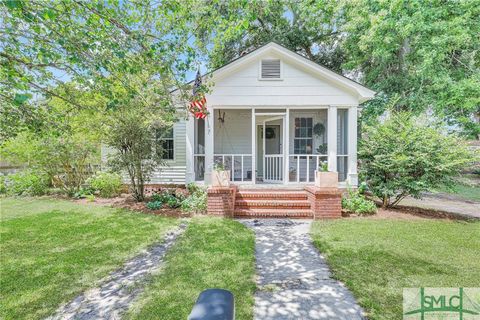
<point x="468" y="209"/>
<point x="294" y="281"/>
<point x="120" y="288"/>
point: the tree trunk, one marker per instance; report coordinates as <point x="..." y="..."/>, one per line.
<point x="385" y="202"/>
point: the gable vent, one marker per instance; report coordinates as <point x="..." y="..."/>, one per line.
<point x="270" y="69"/>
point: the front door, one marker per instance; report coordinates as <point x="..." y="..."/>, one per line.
<point x="272" y="142"/>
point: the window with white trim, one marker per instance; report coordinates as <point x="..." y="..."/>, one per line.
<point x="303" y="138"/>
<point x="164" y="139"/>
<point x="270" y="69"/>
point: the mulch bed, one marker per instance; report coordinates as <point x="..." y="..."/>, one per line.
<point x="126" y="201"/>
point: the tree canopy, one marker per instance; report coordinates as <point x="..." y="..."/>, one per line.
<point x="425" y="54"/>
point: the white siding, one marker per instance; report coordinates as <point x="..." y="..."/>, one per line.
<point x="234" y="135"/>
<point x="174" y="170"/>
<point x="298" y="86"/>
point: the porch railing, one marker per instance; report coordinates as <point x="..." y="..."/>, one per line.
<point x="240" y="165"/>
<point x="273" y="168"/>
<point x="302" y="166"/>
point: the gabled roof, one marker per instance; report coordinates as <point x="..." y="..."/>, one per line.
<point x="363" y="92"/>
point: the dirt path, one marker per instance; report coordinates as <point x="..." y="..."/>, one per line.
<point x="459" y="207"/>
<point x="120" y="288"/>
<point x="294" y="282"/>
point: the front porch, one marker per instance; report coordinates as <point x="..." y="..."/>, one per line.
<point x="263" y="146"/>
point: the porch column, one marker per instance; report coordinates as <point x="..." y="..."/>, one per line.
<point x="286" y="143"/>
<point x="352" y="178"/>
<point x="332" y="138"/>
<point x="190" y="149"/>
<point x="254" y="153"/>
<point x="209" y="146"/>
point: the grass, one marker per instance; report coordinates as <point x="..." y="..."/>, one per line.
<point x="377" y="258"/>
<point x="466" y="192"/>
<point x="51" y="250"/>
<point x="213" y="253"/>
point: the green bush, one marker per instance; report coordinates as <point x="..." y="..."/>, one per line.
<point x="196" y="201"/>
<point x="107" y="184"/>
<point x="3" y="185"/>
<point x="27" y="183"/>
<point x="172" y="200"/>
<point x="357" y="203"/>
<point x="407" y="155"/>
<point x="154" y="205"/>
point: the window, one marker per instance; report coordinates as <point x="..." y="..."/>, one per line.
<point x="270" y="69"/>
<point x="303" y="140"/>
<point x="164" y="138"/>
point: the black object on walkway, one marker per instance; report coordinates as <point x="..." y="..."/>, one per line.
<point x="214" y="304"/>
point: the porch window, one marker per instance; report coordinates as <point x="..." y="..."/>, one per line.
<point x="164" y="138"/>
<point x="303" y="139"/>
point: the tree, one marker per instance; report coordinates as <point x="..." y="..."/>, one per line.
<point x="131" y="126"/>
<point x="407" y="155"/>
<point x="94" y="44"/>
<point x="424" y="52"/>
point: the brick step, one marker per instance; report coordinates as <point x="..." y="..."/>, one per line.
<point x="271" y="195"/>
<point x="272" y="213"/>
<point x="272" y="204"/>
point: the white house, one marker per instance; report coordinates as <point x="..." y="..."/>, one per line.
<point x="274" y="117"/>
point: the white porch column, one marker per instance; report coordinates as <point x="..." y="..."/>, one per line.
<point x="286" y="143"/>
<point x="332" y="138"/>
<point x="190" y="149"/>
<point x="209" y="134"/>
<point x="254" y="153"/>
<point x="352" y="178"/>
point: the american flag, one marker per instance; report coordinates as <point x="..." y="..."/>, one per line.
<point x="198" y="106"/>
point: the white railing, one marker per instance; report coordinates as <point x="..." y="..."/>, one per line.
<point x="240" y="165"/>
<point x="302" y="166"/>
<point x="273" y="168"/>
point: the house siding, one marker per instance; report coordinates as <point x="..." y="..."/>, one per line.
<point x="297" y="87"/>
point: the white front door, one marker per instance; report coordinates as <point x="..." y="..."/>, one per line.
<point x="272" y="140"/>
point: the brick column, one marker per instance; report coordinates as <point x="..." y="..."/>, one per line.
<point x="325" y="202"/>
<point x="221" y="201"/>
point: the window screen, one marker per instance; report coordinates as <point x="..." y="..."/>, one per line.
<point x="303" y="140"/>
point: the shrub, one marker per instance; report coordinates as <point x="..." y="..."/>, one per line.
<point x="66" y="160"/>
<point x="357" y="203"/>
<point x="106" y="184"/>
<point x="27" y="183"/>
<point x="196" y="201"/>
<point x="83" y="193"/>
<point x="3" y="185"/>
<point x="172" y="200"/>
<point x="173" y="203"/>
<point x="406" y="155"/>
<point x="154" y="205"/>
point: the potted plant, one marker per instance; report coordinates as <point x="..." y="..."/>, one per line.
<point x="325" y="178"/>
<point x="220" y="176"/>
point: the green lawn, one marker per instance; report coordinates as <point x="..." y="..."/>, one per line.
<point x="51" y="250"/>
<point x="465" y="192"/>
<point x="213" y="253"/>
<point x="377" y="258"/>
